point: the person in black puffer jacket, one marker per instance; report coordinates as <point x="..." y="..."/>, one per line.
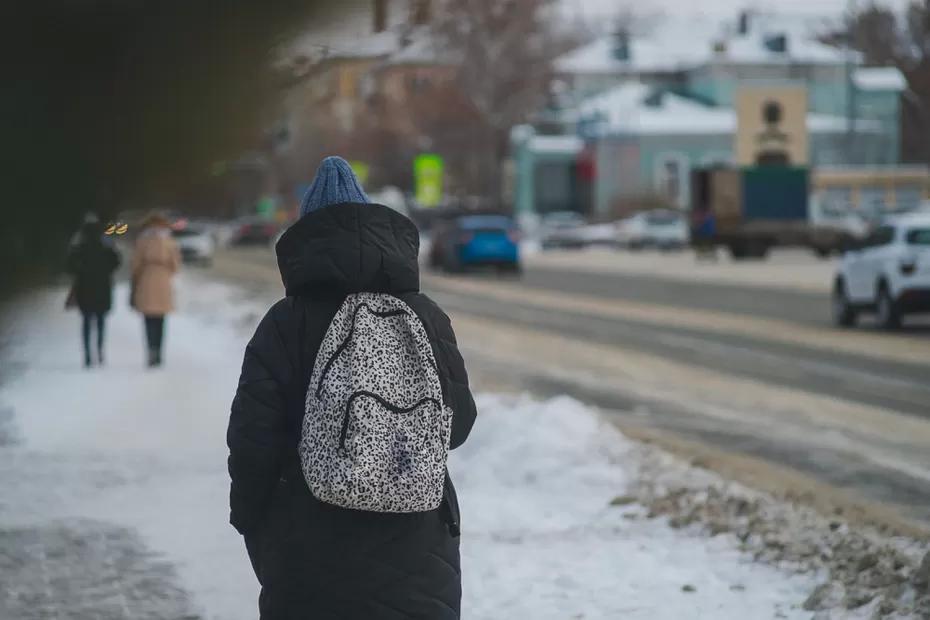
<point x="91" y="263"/>
<point x="316" y="561"/>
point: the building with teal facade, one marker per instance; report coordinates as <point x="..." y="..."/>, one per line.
<point x="650" y="107"/>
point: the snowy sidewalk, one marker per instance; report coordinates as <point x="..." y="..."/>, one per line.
<point x="114" y="500"/>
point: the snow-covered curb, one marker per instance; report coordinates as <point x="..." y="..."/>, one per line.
<point x="542" y="539"/>
<point x="863" y="572"/>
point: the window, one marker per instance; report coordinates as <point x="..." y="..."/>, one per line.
<point x="553" y="187"/>
<point x="883" y="235"/>
<point x="918" y="236"/>
<point x="671" y="178"/>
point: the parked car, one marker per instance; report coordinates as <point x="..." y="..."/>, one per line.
<point x="603" y="235"/>
<point x="254" y="231"/>
<point x="472" y="240"/>
<point x="195" y="242"/>
<point x="562" y="229"/>
<point x="663" y="228"/>
<point x="888" y="273"/>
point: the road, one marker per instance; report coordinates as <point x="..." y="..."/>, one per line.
<point x="728" y="363"/>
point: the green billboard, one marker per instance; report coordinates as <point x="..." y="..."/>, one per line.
<point x="362" y="170"/>
<point x="428" y="170"/>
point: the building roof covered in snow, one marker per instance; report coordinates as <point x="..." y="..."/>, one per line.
<point x="373" y="46"/>
<point x="398" y="45"/>
<point x="419" y="47"/>
<point x="880" y="78"/>
<point x="642" y="110"/>
<point x="678" y="44"/>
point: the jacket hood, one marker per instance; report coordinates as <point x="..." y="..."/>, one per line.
<point x="350" y="248"/>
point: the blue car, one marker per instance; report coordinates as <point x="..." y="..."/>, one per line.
<point x="476" y="240"/>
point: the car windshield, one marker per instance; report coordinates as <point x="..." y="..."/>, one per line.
<point x="662" y="219"/>
<point x="486" y="222"/>
<point x="918" y="236"/>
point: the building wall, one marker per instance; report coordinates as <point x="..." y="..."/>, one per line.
<point x="400" y="82"/>
<point x="826" y="84"/>
<point x="869" y="149"/>
<point x="636" y="169"/>
<point x="686" y="151"/>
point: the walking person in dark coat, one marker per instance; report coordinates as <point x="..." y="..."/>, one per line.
<point x="316" y="560"/>
<point x="91" y="263"/>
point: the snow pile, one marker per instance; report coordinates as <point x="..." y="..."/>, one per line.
<point x="866" y="573"/>
<point x="125" y="449"/>
<point x="542" y="540"/>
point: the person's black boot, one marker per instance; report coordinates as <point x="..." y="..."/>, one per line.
<point x="153" y="358"/>
<point x="100" y="357"/>
<point x="87" y="361"/>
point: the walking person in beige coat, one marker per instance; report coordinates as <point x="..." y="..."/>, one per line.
<point x="155" y="260"/>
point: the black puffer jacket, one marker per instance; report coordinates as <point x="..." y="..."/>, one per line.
<point x="316" y="561"/>
<point x="92" y="264"/>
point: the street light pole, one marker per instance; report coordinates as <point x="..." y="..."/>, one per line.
<point x="850" y="82"/>
<point x="923" y="117"/>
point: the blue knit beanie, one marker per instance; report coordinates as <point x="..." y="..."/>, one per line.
<point x="334" y="184"/>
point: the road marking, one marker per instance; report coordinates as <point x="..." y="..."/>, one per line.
<point x="801" y="272"/>
<point x="847" y="375"/>
<point x="793" y="416"/>
<point x="863" y="344"/>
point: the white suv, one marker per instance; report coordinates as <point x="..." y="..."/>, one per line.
<point x="888" y="273"/>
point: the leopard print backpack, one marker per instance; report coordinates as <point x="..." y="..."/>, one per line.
<point x="375" y="432"/>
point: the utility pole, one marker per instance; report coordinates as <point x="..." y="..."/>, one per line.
<point x="923" y="118"/>
<point x="850" y="82"/>
<point x="380" y="15"/>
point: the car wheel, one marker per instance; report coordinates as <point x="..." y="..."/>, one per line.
<point x="844" y="314"/>
<point x="758" y="250"/>
<point x="510" y="269"/>
<point x="889" y="315"/>
<point x="737" y="251"/>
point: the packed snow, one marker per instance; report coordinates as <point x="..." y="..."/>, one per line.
<point x="133" y="460"/>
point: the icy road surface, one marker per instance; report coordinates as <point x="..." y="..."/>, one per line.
<point x="114" y="491"/>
